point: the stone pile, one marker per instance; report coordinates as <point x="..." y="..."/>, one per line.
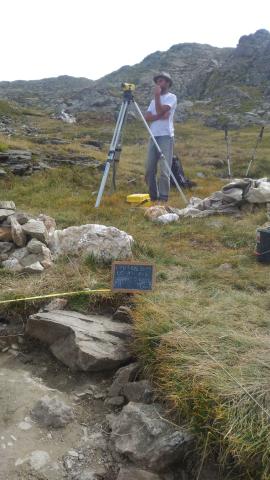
<point x="29" y="244"/>
<point x="24" y="240"/>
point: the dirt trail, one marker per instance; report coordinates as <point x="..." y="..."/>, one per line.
<point x="64" y="453"/>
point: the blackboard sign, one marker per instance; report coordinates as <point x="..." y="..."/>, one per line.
<point x="132" y="277"/>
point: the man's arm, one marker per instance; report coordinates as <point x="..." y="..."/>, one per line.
<point x="150" y="117"/>
<point x="160" y="109"/>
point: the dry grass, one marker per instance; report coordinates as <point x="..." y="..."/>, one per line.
<point x="196" y="307"/>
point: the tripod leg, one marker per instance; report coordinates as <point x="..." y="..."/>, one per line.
<point x="111" y="154"/>
<point x="118" y="151"/>
<point x="161" y="153"/>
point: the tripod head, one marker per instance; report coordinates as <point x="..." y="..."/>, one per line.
<point x="128" y="89"/>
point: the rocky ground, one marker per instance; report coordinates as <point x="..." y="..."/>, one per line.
<point x="66" y="423"/>
<point x="90" y="421"/>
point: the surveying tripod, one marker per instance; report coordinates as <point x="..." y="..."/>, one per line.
<point x="115" y="146"/>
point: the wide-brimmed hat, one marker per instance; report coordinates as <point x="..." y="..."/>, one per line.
<point x="165" y="75"/>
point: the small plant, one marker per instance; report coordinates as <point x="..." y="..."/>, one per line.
<point x="3" y="147"/>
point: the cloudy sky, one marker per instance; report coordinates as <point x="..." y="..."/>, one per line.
<point x="45" y="38"/>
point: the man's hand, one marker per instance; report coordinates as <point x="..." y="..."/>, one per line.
<point x="157" y="91"/>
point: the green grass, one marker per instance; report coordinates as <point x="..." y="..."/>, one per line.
<point x="197" y="309"/>
<point x="3" y="147"/>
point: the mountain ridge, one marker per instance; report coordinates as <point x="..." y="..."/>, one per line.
<point x="211" y="83"/>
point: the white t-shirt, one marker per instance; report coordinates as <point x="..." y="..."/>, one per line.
<point x="159" y="128"/>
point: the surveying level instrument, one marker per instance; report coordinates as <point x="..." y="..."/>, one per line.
<point x="116" y="148"/>
<point x="128" y="87"/>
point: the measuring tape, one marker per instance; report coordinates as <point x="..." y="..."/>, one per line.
<point x="53" y="295"/>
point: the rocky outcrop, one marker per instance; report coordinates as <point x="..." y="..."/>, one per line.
<point x="82" y="342"/>
<point x="19" y="162"/>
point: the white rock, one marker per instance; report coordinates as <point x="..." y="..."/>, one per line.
<point x="38" y="459"/>
<point x="154" y="212"/>
<point x="167" y="218"/>
<point x="104" y="243"/>
<point x="33" y="268"/>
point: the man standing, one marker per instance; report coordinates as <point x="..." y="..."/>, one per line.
<point x="160" y="115"/>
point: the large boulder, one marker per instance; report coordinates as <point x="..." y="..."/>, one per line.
<point x="141" y="433"/>
<point x="103" y="243"/>
<point x="82" y="342"/>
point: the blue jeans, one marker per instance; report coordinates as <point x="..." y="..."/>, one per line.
<point x="159" y="190"/>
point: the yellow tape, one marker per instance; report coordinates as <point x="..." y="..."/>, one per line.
<point x="51" y="295"/>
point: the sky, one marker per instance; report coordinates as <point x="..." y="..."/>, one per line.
<point x="90" y="38"/>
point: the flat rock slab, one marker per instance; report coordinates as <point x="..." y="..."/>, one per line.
<point x="82" y="342"/>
